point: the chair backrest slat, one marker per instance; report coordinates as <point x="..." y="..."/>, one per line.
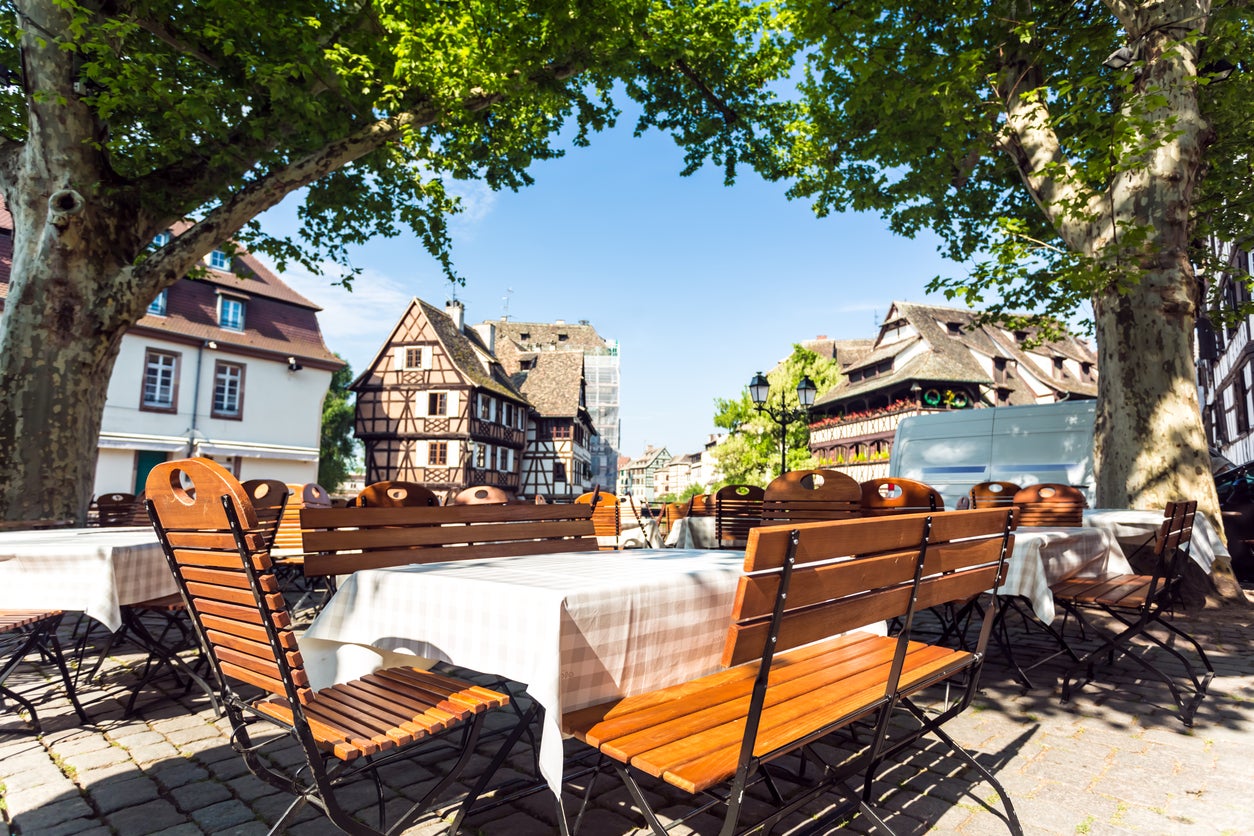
<point x="394" y="495"/>
<point x="993" y="494"/>
<point x="1051" y="504"/>
<point x="607" y="518"/>
<point x="890" y="495"/>
<point x="737" y="509"/>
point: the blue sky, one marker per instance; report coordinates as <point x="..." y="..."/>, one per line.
<point x="702" y="285"/>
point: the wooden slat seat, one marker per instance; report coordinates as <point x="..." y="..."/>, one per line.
<point x="224" y="572"/>
<point x="343" y="540"/>
<point x="737" y="509"/>
<point x="799" y="667"/>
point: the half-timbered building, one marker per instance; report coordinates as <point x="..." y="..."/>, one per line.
<point x="436" y="407"/>
<point x="928" y="358"/>
<point x="557" y="461"/>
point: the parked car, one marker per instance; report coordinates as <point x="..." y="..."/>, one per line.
<point x="1236" y="503"/>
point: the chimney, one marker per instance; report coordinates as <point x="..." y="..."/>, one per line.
<point x="821" y="337"/>
<point x="487" y="333"/>
<point x="457" y="312"/>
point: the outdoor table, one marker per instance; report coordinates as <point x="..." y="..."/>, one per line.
<point x="1137" y="528"/>
<point x="92" y="570"/>
<point x="577" y="629"/>
<point x="1045" y="556"/>
<point x="692" y="533"/>
<point x="634" y="535"/>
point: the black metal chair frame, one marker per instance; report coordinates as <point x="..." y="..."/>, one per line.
<point x="41" y="635"/>
<point x="1171" y="550"/>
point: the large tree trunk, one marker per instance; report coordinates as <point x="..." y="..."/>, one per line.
<point x="68" y="305"/>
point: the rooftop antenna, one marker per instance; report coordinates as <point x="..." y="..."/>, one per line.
<point x="509" y="291"/>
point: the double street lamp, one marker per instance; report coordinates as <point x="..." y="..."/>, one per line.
<point x="760" y="392"/>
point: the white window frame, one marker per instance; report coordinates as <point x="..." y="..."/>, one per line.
<point x="157" y="306"/>
<point x="228" y="390"/>
<point x="230" y="323"/>
<point x="160" y="383"/>
<point x="219" y="260"/>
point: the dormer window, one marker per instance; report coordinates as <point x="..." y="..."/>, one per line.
<point x="231" y="313"/>
<point x="157" y="306"/>
<point x="524" y="336"/>
<point x="161" y="239"/>
<point x="955" y="328"/>
<point x="219" y="260"/>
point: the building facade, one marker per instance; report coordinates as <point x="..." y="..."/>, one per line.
<point x="520" y="344"/>
<point x="638" y="478"/>
<point x="230" y="366"/>
<point x="928" y="358"/>
<point x="436" y="407"/>
<point x="1225" y="361"/>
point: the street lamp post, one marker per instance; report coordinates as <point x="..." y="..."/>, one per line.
<point x="760" y="391"/>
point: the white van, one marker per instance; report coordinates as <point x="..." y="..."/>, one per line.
<point x="951" y="451"/>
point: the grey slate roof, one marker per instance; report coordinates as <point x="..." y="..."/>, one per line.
<point x="516" y="341"/>
<point x="951" y="357"/>
<point x="553" y="384"/>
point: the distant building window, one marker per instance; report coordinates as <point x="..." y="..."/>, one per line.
<point x="502" y="459"/>
<point x="218" y="260"/>
<point x="157" y="306"/>
<point x="481" y="455"/>
<point x="413" y="357"/>
<point x="231" y="313"/>
<point x="561" y="338"/>
<point x="437" y="403"/>
<point x="955" y="328"/>
<point x="1058" y="367"/>
<point x="524" y="336"/>
<point x="526" y="365"/>
<point x="161" y="374"/>
<point x="437" y="453"/>
<point x="485" y="406"/>
<point x="509" y="415"/>
<point x="1086" y="371"/>
<point x="999" y="369"/>
<point x="161" y="239"/>
<point x="559" y="472"/>
<point x="228" y="390"/>
<point x="561" y="429"/>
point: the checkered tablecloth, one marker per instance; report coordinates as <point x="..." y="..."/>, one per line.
<point x="1138" y="528"/>
<point x="577" y="628"/>
<point x="692" y="533"/>
<point x="93" y="570"/>
<point x="1045" y="556"/>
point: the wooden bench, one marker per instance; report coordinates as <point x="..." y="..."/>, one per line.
<point x="801" y="667"/>
<point x="339" y="541"/>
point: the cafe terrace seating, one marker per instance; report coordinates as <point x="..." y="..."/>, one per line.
<point x="799" y="667"/>
<point x="1139" y="603"/>
<point x="395" y="495"/>
<point x="269" y="498"/>
<point x="482" y="495"/>
<point x="343" y="733"/>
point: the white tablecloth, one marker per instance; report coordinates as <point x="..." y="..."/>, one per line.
<point x="692" y="533"/>
<point x="634" y="535"/>
<point x="1045" y="556"/>
<point x="1133" y="528"/>
<point x="95" y="570"/>
<point x="576" y="628"/>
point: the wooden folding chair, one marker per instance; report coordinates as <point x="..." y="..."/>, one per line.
<point x="607" y="518"/>
<point x="993" y="494"/>
<point x="482" y="495"/>
<point x="269" y="498"/>
<point x="737" y="509"/>
<point x="890" y="495"/>
<point x="810" y="496"/>
<point x="1140" y="602"/>
<point x="344" y="733"/>
<point x="21" y="633"/>
<point x="395" y="495"/>
<point x="115" y="509"/>
<point x="1048" y="504"/>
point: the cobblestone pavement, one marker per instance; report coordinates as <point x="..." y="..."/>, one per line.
<point x="1116" y="760"/>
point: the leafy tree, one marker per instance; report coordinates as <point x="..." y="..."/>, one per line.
<point x="1004" y="127"/>
<point x="128" y="117"/>
<point x="338" y="453"/>
<point x="750" y="453"/>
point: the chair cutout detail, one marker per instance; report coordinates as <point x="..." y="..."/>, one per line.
<point x="396" y="495"/>
<point x="1140" y="602"/>
<point x="345" y="732"/>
